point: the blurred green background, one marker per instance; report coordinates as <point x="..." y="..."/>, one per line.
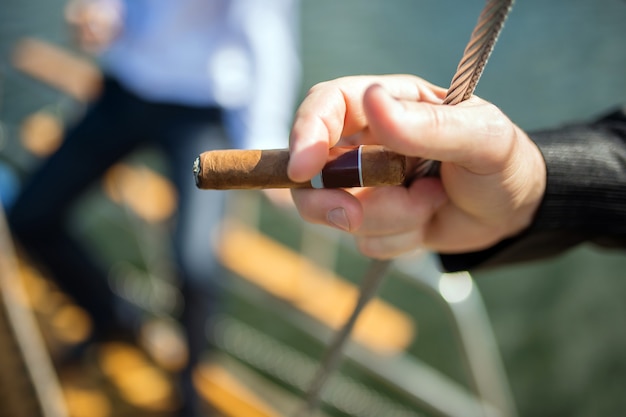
<point x="560" y="324"/>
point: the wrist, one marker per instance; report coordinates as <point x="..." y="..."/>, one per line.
<point x="533" y="178"/>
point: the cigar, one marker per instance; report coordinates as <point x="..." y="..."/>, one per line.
<point x="359" y="166"/>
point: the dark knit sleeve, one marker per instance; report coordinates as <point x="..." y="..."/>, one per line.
<point x="585" y="198"/>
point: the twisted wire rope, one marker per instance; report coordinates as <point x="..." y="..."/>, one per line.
<point x="478" y="50"/>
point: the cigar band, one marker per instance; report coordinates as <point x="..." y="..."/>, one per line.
<point x="360" y="165"/>
<point x="345" y="171"/>
<point x="317" y="181"/>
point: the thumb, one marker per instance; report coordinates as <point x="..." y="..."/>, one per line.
<point x="474" y="134"/>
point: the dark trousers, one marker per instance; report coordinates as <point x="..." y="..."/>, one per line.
<point x="117" y="124"/>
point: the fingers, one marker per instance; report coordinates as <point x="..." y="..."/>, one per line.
<point x="334" y="109"/>
<point x="392" y="210"/>
<point x="396" y="220"/>
<point x="386" y="221"/>
<point x="332" y="207"/>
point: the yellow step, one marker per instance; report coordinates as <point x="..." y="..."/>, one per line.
<point x="318" y="292"/>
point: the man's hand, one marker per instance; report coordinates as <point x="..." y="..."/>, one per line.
<point x="95" y="23"/>
<point x="492" y="174"/>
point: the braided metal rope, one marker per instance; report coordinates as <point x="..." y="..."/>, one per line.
<point x="478" y="50"/>
<point x="331" y="360"/>
<point x="471" y="67"/>
<point x="475" y="57"/>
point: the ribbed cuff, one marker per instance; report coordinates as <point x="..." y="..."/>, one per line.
<point x="585" y="198"/>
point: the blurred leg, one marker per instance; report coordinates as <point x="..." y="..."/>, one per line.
<point x="38" y="217"/>
<point x="199" y="215"/>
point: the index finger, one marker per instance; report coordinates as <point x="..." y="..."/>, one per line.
<point x="334" y="109"/>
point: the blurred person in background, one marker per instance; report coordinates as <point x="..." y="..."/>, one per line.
<point x="186" y="76"/>
<point x="504" y="195"/>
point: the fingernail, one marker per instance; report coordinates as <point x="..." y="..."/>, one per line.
<point x="338" y="218"/>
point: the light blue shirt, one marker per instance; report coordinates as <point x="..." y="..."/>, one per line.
<point x="241" y="55"/>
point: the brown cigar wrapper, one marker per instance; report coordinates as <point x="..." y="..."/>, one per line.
<point x="259" y="169"/>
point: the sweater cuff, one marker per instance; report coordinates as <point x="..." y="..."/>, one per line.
<point x="585" y="198"/>
<point x="586" y="178"/>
